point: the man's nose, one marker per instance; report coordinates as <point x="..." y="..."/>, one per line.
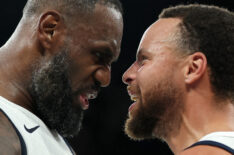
<point x="103" y="75"/>
<point x="129" y="75"/>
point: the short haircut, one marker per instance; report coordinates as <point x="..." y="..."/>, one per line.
<point x="68" y="7"/>
<point x="210" y="30"/>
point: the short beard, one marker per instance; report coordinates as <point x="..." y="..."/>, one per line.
<point x="158" y="116"/>
<point x="53" y="98"/>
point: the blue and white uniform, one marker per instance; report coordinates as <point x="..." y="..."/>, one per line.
<point x="34" y="135"/>
<point x="224" y="140"/>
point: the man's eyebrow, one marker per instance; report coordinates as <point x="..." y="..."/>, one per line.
<point x="115" y="53"/>
<point x="112" y="55"/>
<point x="142" y="52"/>
<point x="139" y="53"/>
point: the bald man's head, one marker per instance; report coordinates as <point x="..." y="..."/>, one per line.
<point x="68" y="8"/>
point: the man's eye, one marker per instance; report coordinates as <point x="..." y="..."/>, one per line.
<point x="142" y="61"/>
<point x="98" y="55"/>
<point x="102" y="58"/>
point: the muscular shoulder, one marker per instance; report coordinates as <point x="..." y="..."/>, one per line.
<point x="205" y="150"/>
<point x="9" y="141"/>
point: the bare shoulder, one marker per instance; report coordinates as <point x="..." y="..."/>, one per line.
<point x="9" y="141"/>
<point x="205" y="150"/>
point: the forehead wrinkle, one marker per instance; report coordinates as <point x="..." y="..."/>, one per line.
<point x="168" y="44"/>
<point x="157" y="46"/>
<point x="171" y="38"/>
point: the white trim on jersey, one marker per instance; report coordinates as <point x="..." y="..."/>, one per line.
<point x="225" y="138"/>
<point x="39" y="140"/>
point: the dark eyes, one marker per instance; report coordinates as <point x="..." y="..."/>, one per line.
<point x="141" y="60"/>
<point x="103" y="57"/>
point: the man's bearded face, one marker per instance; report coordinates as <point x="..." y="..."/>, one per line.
<point x="156" y="113"/>
<point x="55" y="102"/>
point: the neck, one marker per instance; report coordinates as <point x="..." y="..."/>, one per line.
<point x="198" y="122"/>
<point x="16" y="59"/>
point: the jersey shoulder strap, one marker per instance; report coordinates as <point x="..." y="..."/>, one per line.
<point x="223" y="140"/>
<point x="213" y="143"/>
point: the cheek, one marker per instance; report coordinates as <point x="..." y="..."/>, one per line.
<point x="146" y="77"/>
<point x="77" y="74"/>
<point x="80" y="65"/>
<point x="145" y="83"/>
<point x="150" y="78"/>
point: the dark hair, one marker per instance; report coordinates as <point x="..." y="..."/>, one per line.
<point x="68" y="7"/>
<point x="209" y="29"/>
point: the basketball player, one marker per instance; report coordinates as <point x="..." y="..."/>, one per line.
<point x="182" y="82"/>
<point x="56" y="60"/>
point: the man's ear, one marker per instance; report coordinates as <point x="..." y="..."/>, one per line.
<point x="195" y="68"/>
<point x="49" y="26"/>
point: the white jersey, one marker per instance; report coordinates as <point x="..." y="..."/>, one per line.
<point x="34" y="135"/>
<point x="224" y="140"/>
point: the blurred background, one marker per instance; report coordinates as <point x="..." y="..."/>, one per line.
<point x="102" y="132"/>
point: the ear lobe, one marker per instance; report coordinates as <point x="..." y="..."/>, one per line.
<point x="196" y="67"/>
<point x="48" y="25"/>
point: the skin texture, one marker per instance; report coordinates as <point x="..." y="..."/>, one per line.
<point x="155" y="58"/>
<point x="8" y="138"/>
<point x="174" y="100"/>
<point x="90" y="48"/>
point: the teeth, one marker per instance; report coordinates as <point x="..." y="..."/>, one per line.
<point x="92" y="95"/>
<point x="134" y="98"/>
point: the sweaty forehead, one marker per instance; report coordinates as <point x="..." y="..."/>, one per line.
<point x="107" y="22"/>
<point x="102" y="17"/>
<point x="107" y="12"/>
<point x="104" y="23"/>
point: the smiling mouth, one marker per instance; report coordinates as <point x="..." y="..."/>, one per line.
<point x="133" y="98"/>
<point x="85" y="97"/>
<point x="132" y="95"/>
